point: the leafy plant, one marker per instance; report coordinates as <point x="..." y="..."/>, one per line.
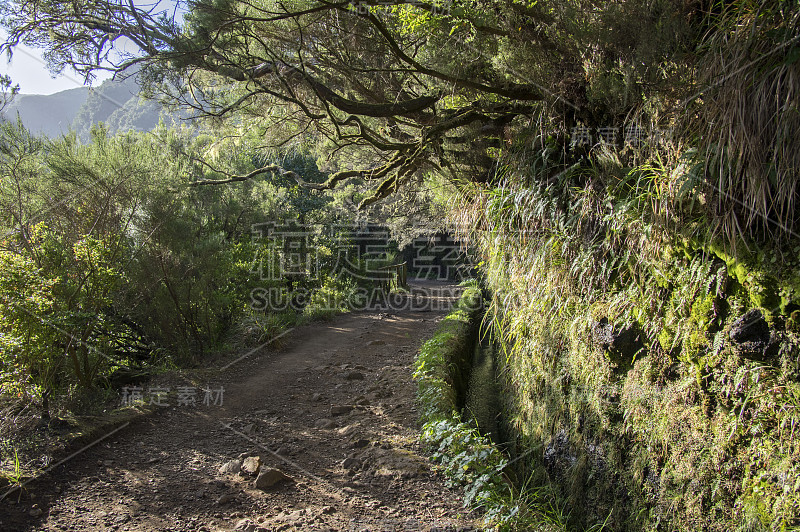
<point x="15" y="477"/>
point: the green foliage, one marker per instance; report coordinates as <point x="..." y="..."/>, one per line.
<point x="669" y="241"/>
<point x="465" y="456"/>
<point x="14" y="477"/>
<point x="750" y="180"/>
<point x="681" y="434"/>
<point x="112" y="260"/>
<point x="439" y="368"/>
<point x="471" y="460"/>
<point x="334" y="295"/>
<point x="25" y="295"/>
<point x="7" y="91"/>
<point x="257" y="328"/>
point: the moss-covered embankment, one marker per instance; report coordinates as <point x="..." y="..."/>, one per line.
<point x="442" y="366"/>
<point x="650" y="377"/>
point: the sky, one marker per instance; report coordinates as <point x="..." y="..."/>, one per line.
<point x="27" y="68"/>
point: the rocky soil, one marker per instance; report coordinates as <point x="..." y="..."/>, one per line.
<point x="320" y="434"/>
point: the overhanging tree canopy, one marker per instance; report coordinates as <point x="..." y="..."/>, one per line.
<point x="399" y="88"/>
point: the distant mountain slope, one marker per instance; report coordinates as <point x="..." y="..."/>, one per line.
<point x="138" y="114"/>
<point x="102" y="102"/>
<point x="51" y="115"/>
<point x="115" y="103"/>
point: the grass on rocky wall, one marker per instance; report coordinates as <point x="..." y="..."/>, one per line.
<point x="679" y="431"/>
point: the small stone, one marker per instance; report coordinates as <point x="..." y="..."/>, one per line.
<point x="752" y="337"/>
<point x="35" y="512"/>
<point x="360" y="443"/>
<point x="316" y="397"/>
<point x="338" y="410"/>
<point x="348" y="430"/>
<point x="251" y="465"/>
<point x="230" y="468"/>
<point x="293" y="517"/>
<point x="324" y="423"/>
<point x="354" y="376"/>
<point x="351" y="463"/>
<point x="246" y="525"/>
<point x="328" y="510"/>
<point x="376" y="342"/>
<point x="249" y="429"/>
<point x="363" y="402"/>
<point x="226" y="498"/>
<point x="270" y="478"/>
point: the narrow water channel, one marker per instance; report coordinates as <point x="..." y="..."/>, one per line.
<point x="482" y="403"/>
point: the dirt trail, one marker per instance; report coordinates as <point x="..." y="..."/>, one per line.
<point x="333" y="409"/>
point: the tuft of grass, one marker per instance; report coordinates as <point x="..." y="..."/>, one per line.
<point x="14" y="477"/>
<point x="746" y="122"/>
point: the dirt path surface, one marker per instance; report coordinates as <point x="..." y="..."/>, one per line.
<point x="332" y="409"/>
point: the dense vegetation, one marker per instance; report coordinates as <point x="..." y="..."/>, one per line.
<point x="627" y="172"/>
<point x="115" y="263"/>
